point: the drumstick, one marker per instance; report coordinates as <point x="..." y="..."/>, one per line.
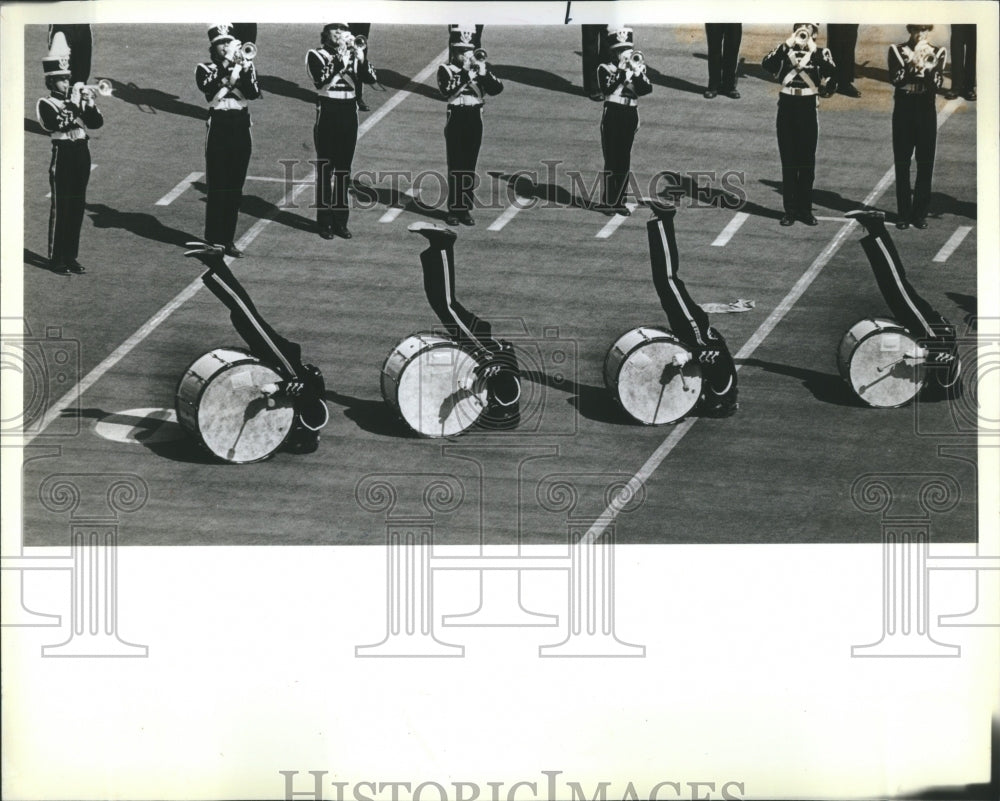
<point x="904" y="357"/>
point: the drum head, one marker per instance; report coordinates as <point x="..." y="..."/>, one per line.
<point x="437" y="392"/>
<point x="886" y="368"/>
<point x="235" y="420"/>
<point x="652" y="388"/>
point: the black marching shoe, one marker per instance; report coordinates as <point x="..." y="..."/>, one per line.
<point x="58" y="266"/>
<point x="75" y="267"/>
<point x="808" y="218"/>
<point x="465" y="218"/>
<point x="233" y="252"/>
<point x="710" y="94"/>
<point x="787" y="219"/>
<point x="902" y="225"/>
<point x="872" y="220"/>
<point x="919" y="222"/>
<point x="732" y="93"/>
<point x="720" y="406"/>
<point x="451" y="218"/>
<point x="342" y="231"/>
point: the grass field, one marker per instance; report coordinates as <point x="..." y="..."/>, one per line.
<point x="780" y="471"/>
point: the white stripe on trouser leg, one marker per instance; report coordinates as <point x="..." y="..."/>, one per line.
<point x="902" y="289"/>
<point x="722" y="391"/>
<point x="253" y="320"/>
<point x="673" y="286"/>
<point x="54" y="212"/>
<point x="447" y="296"/>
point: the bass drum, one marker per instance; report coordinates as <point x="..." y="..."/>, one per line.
<point x="430" y="382"/>
<point x="652" y="375"/>
<point x="222" y="400"/>
<point x="882" y="363"/>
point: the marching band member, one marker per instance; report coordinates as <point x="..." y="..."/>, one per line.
<point x="80" y="41"/>
<point x="805" y="71"/>
<point x="228" y="82"/>
<point x="842" y="41"/>
<point x="302" y="382"/>
<point x="497" y="361"/>
<point x="464" y="81"/>
<point x="922" y="320"/>
<point x="916" y="70"/>
<point x="623" y="81"/>
<point x="336" y="68"/>
<point x="963" y="62"/>
<point x="65" y="115"/>
<point x="591" y="51"/>
<point x="686" y="319"/>
<point x="723" y="57"/>
<point x="362" y="29"/>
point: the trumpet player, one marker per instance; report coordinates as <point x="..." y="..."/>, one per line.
<point x="66" y="114"/>
<point x="228" y="82"/>
<point x="337" y="69"/>
<point x="623" y="81"/>
<point x="916" y="70"/>
<point x="464" y="82"/>
<point x="805" y="72"/>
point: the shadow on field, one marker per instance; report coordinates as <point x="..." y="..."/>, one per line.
<point x="657" y="78"/>
<point x="164" y="438"/>
<point x="822" y="197"/>
<point x="946" y="204"/>
<point x="145" y="225"/>
<point x="391" y="79"/>
<point x="594" y="403"/>
<point x="529" y="76"/>
<point x="32" y="259"/>
<point x="152" y="101"/>
<point x="825" y="387"/>
<point x="524" y="186"/>
<point x="866" y="70"/>
<point x="33" y="127"/>
<point x="255" y="206"/>
<point x="373" y="416"/>
<point x="286" y="88"/>
<point x="680" y="186"/>
<point x="369" y="196"/>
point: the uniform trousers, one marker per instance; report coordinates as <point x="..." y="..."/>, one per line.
<point x="723" y="54"/>
<point x="69" y="174"/>
<point x="963" y="58"/>
<point x="227" y="157"/>
<point x="335" y="135"/>
<point x="914" y="132"/>
<point x="907" y="307"/>
<point x="591" y="36"/>
<point x="463" y="326"/>
<point x="618" y="126"/>
<point x="685" y="318"/>
<point x="842" y="40"/>
<point x="798" y="133"/>
<point x="463" y="137"/>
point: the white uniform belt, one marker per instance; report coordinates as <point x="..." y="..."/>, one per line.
<point x="339" y="94"/>
<point x="72" y="135"/>
<point x="228" y="104"/>
<point x="622" y="101"/>
<point x="466" y="100"/>
<point x="796" y="92"/>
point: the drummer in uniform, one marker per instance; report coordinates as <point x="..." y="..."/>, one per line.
<point x="922" y="320"/>
<point x="301" y="382"/>
<point x="497" y="362"/>
<point x="916" y="69"/>
<point x="464" y="82"/>
<point x="687" y="320"/>
<point x="805" y="72"/>
<point x="622" y="80"/>
<point x="228" y="83"/>
<point x="65" y="115"/>
<point x="337" y="69"/>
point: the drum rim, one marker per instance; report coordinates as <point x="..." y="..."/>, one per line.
<point x="383" y="374"/>
<point x="196" y="434"/>
<point x="894" y="326"/>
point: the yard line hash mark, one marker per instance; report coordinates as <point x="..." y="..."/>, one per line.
<point x="179" y="190"/>
<point x="185" y="294"/>
<point x="642" y="475"/>
<point x="727" y="233"/>
<point x="953" y="242"/>
<point x="614" y="222"/>
<point x="508" y="214"/>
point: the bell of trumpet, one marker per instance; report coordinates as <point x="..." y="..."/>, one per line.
<point x="360" y="42"/>
<point x="479" y="54"/>
<point x="248" y="51"/>
<point x="637" y="59"/>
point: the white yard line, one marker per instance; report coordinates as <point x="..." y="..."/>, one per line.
<point x="952" y="244"/>
<point x="394" y="211"/>
<point x="179" y="190"/>
<point x="508" y="214"/>
<point x="185" y="294"/>
<point x="678" y="432"/>
<point x="727" y="233"/>
<point x="614" y="222"/>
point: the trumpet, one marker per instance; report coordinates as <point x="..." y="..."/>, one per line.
<point x="360" y="43"/>
<point x="802" y="37"/>
<point x="479" y="54"/>
<point x="102" y="87"/>
<point x="241" y="52"/>
<point x="924" y="56"/>
<point x="637" y="59"/>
